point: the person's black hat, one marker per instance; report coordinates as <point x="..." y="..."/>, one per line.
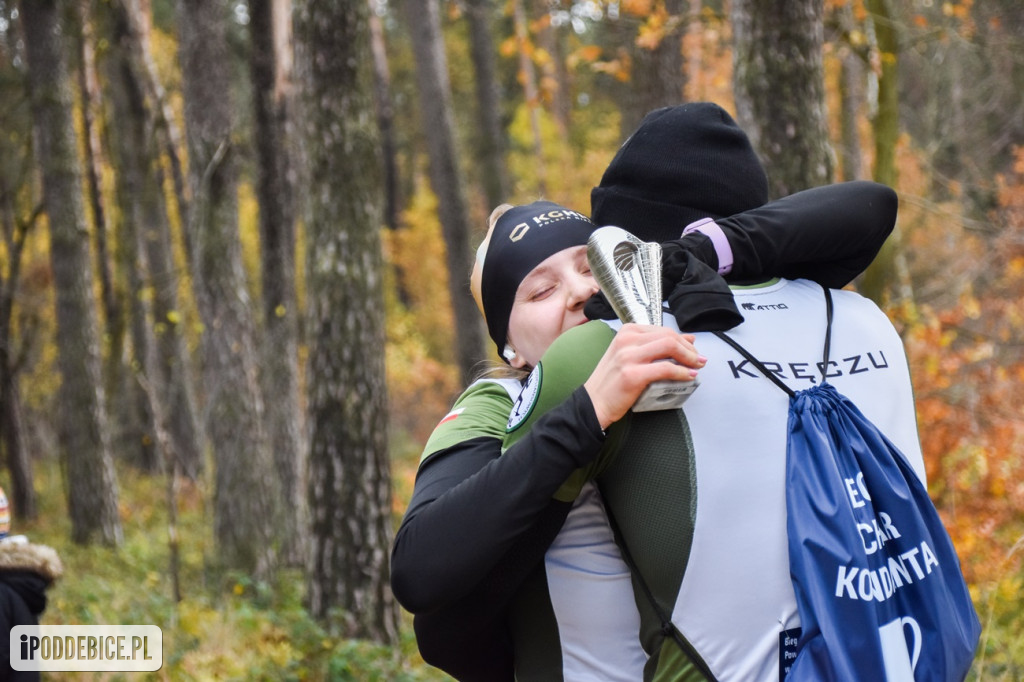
<point x="682" y="164"/>
<point x="523" y="237"/>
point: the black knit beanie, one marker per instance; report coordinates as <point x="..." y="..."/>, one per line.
<point x="682" y="164"/>
<point x="523" y="237"/>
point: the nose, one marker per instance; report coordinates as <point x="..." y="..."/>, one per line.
<point x="581" y="289"/>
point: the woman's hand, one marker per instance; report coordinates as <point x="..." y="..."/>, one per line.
<point x="631" y="364"/>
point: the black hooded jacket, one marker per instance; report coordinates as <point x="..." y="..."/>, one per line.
<point x="26" y="572"/>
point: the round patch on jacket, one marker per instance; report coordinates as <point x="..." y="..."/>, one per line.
<point x="524" y="404"/>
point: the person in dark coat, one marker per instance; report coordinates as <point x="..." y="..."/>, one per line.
<point x="27" y="570"/>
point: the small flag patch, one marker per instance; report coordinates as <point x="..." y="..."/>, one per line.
<point x="451" y="415"/>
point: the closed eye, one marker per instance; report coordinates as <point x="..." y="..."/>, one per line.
<point x="541" y="293"/>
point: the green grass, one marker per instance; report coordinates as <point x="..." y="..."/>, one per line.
<point x="226" y="627"/>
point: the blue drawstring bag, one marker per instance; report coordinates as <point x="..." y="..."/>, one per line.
<point x="877" y="580"/>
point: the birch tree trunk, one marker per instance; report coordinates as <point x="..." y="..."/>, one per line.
<point x="350" y="484"/>
<point x="779" y="87"/>
<point x="83" y="434"/>
<point x="246" y="493"/>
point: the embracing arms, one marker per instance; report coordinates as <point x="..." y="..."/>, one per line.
<point x="827" y="234"/>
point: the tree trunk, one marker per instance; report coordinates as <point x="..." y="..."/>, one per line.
<point x="528" y="78"/>
<point x="350" y="484"/>
<point x="172" y="372"/>
<point x="445" y="178"/>
<point x="246" y="493"/>
<point x="140" y="415"/>
<point x="779" y="87"/>
<point x="169" y="376"/>
<point x="556" y="72"/>
<point x="129" y="401"/>
<point x="166" y="127"/>
<point x="136" y="429"/>
<point x="657" y="74"/>
<point x="270" y="27"/>
<point x="85" y="444"/>
<point x="90" y="97"/>
<point x="19" y="464"/>
<point x="851" y="95"/>
<point x="879" y="278"/>
<point x="385" y="120"/>
<point x="491" y="145"/>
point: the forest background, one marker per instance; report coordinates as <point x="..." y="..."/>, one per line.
<point x="236" y="236"/>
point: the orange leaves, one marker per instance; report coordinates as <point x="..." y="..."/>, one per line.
<point x="588" y="53"/>
<point x="959" y="10"/>
<point x="618" y="68"/>
<point x="654" y="29"/>
<point x="637" y="8"/>
<point x="509" y="47"/>
<point x="967" y="362"/>
<point x="657" y="23"/>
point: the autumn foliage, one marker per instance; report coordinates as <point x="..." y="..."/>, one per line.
<point x="967" y="360"/>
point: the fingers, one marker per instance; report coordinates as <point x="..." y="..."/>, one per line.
<point x="645" y="344"/>
<point x="638" y="356"/>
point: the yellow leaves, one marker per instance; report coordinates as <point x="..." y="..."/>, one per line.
<point x="970" y="306"/>
<point x="193" y="617"/>
<point x="542" y="57"/>
<point x="420" y="371"/>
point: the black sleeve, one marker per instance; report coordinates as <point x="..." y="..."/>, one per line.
<point x="470" y="639"/>
<point x="827" y="234"/>
<point x="471" y="504"/>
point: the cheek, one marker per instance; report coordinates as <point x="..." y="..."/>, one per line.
<point x="533" y="328"/>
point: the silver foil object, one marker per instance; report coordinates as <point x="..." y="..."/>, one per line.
<point x="628" y="270"/>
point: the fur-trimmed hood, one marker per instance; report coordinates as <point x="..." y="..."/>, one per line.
<point x="26" y="556"/>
